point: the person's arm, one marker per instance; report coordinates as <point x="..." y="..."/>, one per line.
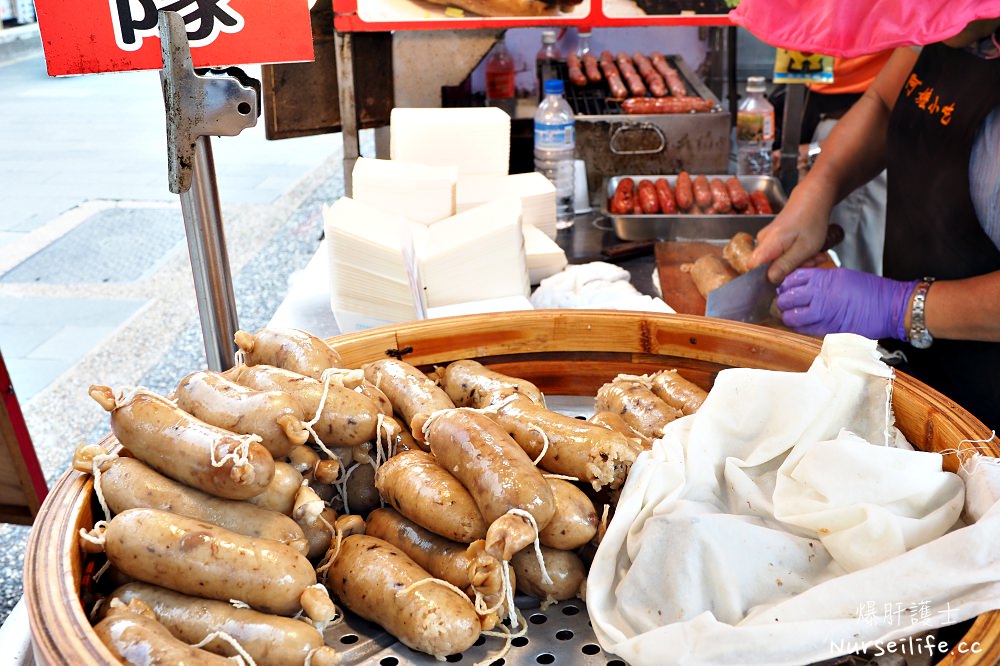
<point x="966" y="309"/>
<point x="853" y="154"/>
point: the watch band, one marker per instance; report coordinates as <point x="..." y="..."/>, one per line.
<point x="919" y="336"/>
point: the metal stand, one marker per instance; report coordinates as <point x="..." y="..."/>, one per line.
<point x="223" y="104"/>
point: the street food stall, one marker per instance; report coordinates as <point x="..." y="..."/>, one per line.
<point x="580" y="486"/>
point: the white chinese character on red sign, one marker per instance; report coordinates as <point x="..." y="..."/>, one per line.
<point x="205" y="20"/>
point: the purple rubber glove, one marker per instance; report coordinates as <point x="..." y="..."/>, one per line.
<point x="817" y="301"/>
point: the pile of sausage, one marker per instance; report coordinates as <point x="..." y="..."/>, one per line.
<point x="694" y="196"/>
<point x="645" y="81"/>
<point x="709" y="271"/>
<point x="417" y="501"/>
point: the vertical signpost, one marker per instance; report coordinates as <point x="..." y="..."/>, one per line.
<point x="175" y="36"/>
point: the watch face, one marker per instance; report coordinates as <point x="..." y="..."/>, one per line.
<point x="922" y="340"/>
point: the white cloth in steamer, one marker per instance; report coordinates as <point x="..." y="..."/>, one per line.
<point x="758" y="530"/>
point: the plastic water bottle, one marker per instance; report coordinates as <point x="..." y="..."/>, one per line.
<point x="547" y="59"/>
<point x="754" y="131"/>
<point x="555" y="143"/>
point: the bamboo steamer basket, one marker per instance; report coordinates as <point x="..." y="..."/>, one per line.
<point x="564" y="352"/>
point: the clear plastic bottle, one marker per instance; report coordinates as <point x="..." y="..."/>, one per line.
<point x="583" y="48"/>
<point x="555" y="143"/>
<point x="547" y="58"/>
<point x="500" y="79"/>
<point x="754" y="131"/>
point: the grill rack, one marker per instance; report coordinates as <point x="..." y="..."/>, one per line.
<point x="594" y="99"/>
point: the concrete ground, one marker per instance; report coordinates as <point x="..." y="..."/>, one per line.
<point x="95" y="281"/>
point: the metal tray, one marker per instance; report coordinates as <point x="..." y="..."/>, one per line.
<point x="684" y="227"/>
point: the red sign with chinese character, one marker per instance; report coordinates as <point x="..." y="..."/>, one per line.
<point x="87" y="36"/>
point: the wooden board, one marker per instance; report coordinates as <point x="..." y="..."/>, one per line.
<point x="22" y="485"/>
<point x="677" y="286"/>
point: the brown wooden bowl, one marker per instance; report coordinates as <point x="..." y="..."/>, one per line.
<point x="564" y="352"/>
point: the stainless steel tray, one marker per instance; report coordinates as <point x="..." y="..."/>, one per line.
<point x="684" y="227"/>
<point x="560" y="634"/>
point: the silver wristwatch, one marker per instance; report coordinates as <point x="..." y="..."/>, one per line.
<point x="919" y="336"/>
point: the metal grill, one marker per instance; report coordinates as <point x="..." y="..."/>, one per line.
<point x="594" y="99"/>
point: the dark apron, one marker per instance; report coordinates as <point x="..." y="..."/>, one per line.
<point x="931" y="225"/>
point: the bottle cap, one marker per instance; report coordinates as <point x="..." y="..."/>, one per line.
<point x="554" y="87"/>
<point x="755" y="84"/>
<point x="548" y="36"/>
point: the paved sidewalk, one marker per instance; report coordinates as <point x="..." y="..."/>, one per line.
<point x="95" y="280"/>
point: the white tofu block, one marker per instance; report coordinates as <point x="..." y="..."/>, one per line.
<point x="475" y="140"/>
<point x="418" y="192"/>
<point x="543" y="256"/>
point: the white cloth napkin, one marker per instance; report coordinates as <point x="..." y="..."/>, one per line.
<point x="788" y="522"/>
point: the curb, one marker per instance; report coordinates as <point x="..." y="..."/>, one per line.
<point x="19" y="42"/>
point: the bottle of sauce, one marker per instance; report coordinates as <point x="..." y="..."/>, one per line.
<point x="500" y="79"/>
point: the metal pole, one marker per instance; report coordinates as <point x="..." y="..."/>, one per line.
<point x="209" y="259"/>
<point x="348" y="105"/>
<point x="791" y="133"/>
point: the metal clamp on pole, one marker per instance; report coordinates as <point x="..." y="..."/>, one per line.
<point x="198" y="107"/>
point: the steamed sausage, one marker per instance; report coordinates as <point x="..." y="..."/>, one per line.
<point x="420" y="488"/>
<point x="665" y="197"/>
<point x="646" y="195"/>
<point x="737" y="194"/>
<point x="678" y="392"/>
<point x="268" y="639"/>
<point x="574" y="522"/>
<point x="721" y="202"/>
<point x="288" y="348"/>
<point x="761" y="203"/>
<point x="615" y="422"/>
<point x="348" y="417"/>
<point x="709" y="272"/>
<point x="413" y="395"/>
<point x="498" y="474"/>
<point x="129" y="484"/>
<point x="198" y="558"/>
<point x="565" y="569"/>
<point x="272" y="415"/>
<point x="467" y="567"/>
<point x="135" y="638"/>
<point x="622" y="200"/>
<point x="738" y="251"/>
<point x="471" y="384"/>
<point x="684" y="191"/>
<point x="186" y="449"/>
<point x="642" y="409"/>
<point x="576" y="448"/>
<point x="643" y="105"/>
<point x="702" y="192"/>
<point x="374" y="578"/>
<point x="280" y="493"/>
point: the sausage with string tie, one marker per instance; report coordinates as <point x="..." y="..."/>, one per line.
<point x="288" y="348"/>
<point x="184" y="448"/>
